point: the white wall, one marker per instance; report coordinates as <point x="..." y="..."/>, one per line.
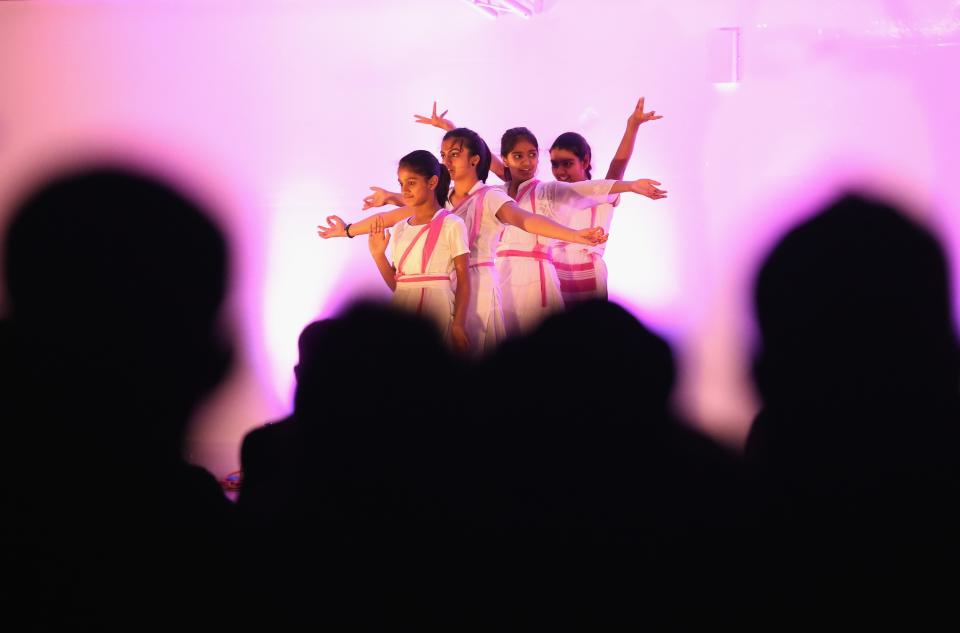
<point x="282" y="112"/>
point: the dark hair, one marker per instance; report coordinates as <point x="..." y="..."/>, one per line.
<point x="573" y="142"/>
<point x="426" y="164"/>
<point x="472" y="141"/>
<point x="510" y="139"/>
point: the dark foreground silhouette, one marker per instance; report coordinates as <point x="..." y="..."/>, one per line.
<point x="550" y="485"/>
<point x="115" y="282"/>
<point x="858" y="440"/>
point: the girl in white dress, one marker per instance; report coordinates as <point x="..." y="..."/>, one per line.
<point x="531" y="287"/>
<point x="581" y="269"/>
<point x="484" y="211"/>
<point x="428" y="247"/>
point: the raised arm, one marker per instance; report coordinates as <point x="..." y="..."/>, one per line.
<point x="336" y="227"/>
<point x="618" y="166"/>
<point x="438" y="120"/>
<point x="510" y="213"/>
<point x="570" y="196"/>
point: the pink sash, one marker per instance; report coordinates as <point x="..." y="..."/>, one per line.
<point x="433" y="236"/>
<point x="532" y="190"/>
<point x="432" y="229"/>
<point x="540" y="255"/>
<point x="478" y="214"/>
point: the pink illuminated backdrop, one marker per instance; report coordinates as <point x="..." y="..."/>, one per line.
<point x="279" y="113"/>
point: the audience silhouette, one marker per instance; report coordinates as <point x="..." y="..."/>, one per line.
<point x="114" y="282"/>
<point x="607" y="499"/>
<point x="551" y="484"/>
<point x="352" y="531"/>
<point x="857" y="442"/>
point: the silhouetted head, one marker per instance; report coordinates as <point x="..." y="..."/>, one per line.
<point x="311" y="344"/>
<point x="464" y="154"/>
<point x="420" y="173"/>
<point x="361" y="361"/>
<point x="610" y="362"/>
<point x="854" y="305"/>
<point x="115" y="282"/>
<point x="570" y="157"/>
<point x="521" y="154"/>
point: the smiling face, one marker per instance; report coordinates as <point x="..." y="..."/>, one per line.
<point x="567" y="166"/>
<point x="458" y="160"/>
<point x="522" y="160"/>
<point x="415" y="188"/>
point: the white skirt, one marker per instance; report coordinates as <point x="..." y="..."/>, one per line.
<point x="485" y="326"/>
<point x="583" y="276"/>
<point x="431" y="299"/>
<point x="531" y="292"/>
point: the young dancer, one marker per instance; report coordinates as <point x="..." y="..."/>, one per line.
<point x="428" y="247"/>
<point x="484" y="210"/>
<point x="529" y="279"/>
<point x="581" y="270"/>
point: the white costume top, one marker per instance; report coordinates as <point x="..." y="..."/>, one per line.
<point x="425" y="287"/>
<point x="483" y="238"/>
<point x="599" y="215"/>
<point x="529" y="281"/>
<point x="451" y="243"/>
<point x="556" y="200"/>
<point x="485" y="326"/>
<point x="580" y="267"/>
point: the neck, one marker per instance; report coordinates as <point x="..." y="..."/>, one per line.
<point x="423" y="213"/>
<point x="462" y="187"/>
<point x="515" y="186"/>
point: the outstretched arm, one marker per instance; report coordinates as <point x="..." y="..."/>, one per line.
<point x="619" y="163"/>
<point x="336" y="227"/>
<point x="377" y="241"/>
<point x="563" y="198"/>
<point x="510" y="213"/>
<point x="643" y="186"/>
<point x="438" y="120"/>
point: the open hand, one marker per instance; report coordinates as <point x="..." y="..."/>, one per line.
<point x="640" y="117"/>
<point x="592" y="237"/>
<point x="436" y="120"/>
<point x="648" y="188"/>
<point x="378" y="198"/>
<point x="335" y="228"/>
<point x="378" y="238"/>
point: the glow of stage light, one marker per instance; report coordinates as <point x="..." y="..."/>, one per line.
<point x="726" y="87"/>
<point x="301" y="273"/>
<point x="642" y="258"/>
